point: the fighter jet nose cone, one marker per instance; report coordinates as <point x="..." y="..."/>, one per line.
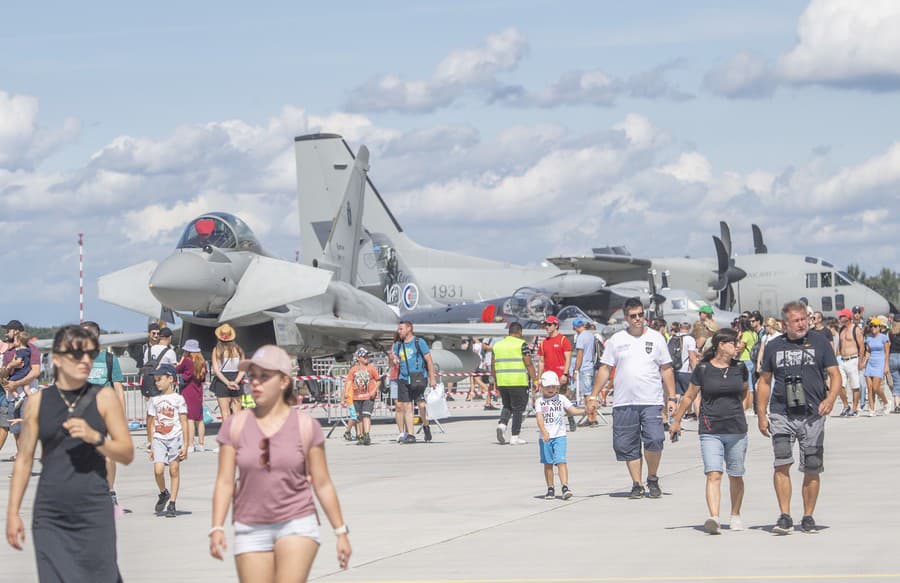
<point x="186" y="282"/>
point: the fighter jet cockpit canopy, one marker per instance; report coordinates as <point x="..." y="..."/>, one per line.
<point x="219" y="230"/>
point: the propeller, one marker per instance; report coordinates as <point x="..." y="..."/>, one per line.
<point x="726" y="237"/>
<point x="726" y="271"/>
<point x="759" y="247"/>
<point x="656" y="299"/>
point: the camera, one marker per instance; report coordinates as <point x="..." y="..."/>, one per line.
<point x="796" y="398"/>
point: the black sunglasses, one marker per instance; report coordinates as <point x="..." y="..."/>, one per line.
<point x="636" y="316"/>
<point x="78" y="354"/>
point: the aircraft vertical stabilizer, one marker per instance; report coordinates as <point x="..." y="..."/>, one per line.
<point x="324" y="163"/>
<point x="341" y="253"/>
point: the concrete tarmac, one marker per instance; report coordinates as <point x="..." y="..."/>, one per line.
<point x="466" y="509"/>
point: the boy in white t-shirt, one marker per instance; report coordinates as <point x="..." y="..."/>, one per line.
<point x="166" y="427"/>
<point x="551" y="410"/>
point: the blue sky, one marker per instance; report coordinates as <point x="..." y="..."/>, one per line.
<point x="567" y="125"/>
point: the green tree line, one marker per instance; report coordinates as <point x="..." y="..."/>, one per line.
<point x="886" y="283"/>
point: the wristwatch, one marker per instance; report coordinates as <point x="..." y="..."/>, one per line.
<point x="101" y="441"/>
<point x="343" y="529"/>
<point x="673" y="399"/>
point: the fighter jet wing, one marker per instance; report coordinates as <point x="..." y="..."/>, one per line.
<point x="600" y="263"/>
<point x="106" y="340"/>
<point x="375" y="330"/>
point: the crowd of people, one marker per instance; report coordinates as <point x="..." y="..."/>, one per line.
<point x="786" y="373"/>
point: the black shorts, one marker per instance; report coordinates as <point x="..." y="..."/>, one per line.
<point x="407" y="394"/>
<point x="364" y="407"/>
<point x="221" y="390"/>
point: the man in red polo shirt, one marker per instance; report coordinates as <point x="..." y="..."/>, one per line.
<point x="555" y="354"/>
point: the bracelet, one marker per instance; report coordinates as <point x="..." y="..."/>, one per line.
<point x="673" y="399"/>
<point x="215" y="529"/>
<point x="342" y="529"/>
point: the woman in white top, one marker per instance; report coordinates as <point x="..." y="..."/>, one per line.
<point x="226" y="382"/>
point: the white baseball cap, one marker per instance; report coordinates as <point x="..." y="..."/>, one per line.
<point x="549" y="379"/>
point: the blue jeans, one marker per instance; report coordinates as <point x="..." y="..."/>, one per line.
<point x="751" y="366"/>
<point x="894" y="364"/>
<point x="724" y="451"/>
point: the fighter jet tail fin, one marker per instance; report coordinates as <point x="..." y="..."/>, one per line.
<point x="341" y="252"/>
<point x="324" y="168"/>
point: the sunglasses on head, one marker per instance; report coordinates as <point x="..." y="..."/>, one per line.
<point x="636" y="316"/>
<point x="264" y="458"/>
<point x="78" y="354"/>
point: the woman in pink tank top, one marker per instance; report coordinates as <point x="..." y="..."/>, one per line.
<point x="280" y="454"/>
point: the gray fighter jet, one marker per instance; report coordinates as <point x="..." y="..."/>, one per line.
<point x="219" y="272"/>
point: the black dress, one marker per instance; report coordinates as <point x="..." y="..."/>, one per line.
<point x="74" y="527"/>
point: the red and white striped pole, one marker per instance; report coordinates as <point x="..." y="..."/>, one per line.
<point x="80" y="278"/>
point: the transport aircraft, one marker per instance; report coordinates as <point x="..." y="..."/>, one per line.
<point x="437" y="279"/>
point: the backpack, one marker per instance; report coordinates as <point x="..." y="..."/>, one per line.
<point x="754" y="352"/>
<point x="148" y="383"/>
<point x="109" y="367"/>
<point x="598" y="351"/>
<point x="675" y="345"/>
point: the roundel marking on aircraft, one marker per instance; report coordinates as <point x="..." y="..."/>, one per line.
<point x="410" y="296"/>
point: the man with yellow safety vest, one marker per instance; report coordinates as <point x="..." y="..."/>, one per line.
<point x="513" y="371"/>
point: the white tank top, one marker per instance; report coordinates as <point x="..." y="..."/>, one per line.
<point x="230" y="364"/>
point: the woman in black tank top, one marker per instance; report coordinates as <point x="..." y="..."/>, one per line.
<point x="79" y="424"/>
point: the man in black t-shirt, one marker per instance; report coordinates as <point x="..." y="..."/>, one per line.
<point x="806" y="384"/>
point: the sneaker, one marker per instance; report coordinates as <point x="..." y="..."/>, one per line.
<point x="572" y="426"/>
<point x="197" y="449"/>
<point x="427" y="431"/>
<point x="551" y="494"/>
<point x="784" y="525"/>
<point x="853" y="414"/>
<point x="736" y="523"/>
<point x="359" y="440"/>
<point x="516" y="440"/>
<point x="366" y="439"/>
<point x="711" y="525"/>
<point x="170" y="510"/>
<point x="637" y="491"/>
<point x="348" y="436"/>
<point x="808" y="525"/>
<point x="501" y="433"/>
<point x="897" y="409"/>
<point x="566" y="493"/>
<point x="490" y="408"/>
<point x="594" y="424"/>
<point x="401" y="438"/>
<point x="845" y="412"/>
<point x="653" y="490"/>
<point x="410" y="438"/>
<point x="161" y="501"/>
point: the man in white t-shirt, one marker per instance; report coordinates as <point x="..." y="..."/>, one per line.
<point x="163" y="350"/>
<point x="643" y="366"/>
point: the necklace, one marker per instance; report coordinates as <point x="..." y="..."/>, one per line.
<point x="70" y="404"/>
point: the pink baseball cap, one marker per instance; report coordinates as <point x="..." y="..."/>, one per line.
<point x="845" y="313"/>
<point x="269" y="357"/>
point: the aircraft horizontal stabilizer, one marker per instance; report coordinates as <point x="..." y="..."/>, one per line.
<point x="268" y="283"/>
<point x="129" y="289"/>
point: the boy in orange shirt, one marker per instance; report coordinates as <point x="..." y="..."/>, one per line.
<point x="360" y="390"/>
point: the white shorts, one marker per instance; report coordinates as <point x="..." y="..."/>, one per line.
<point x="165" y="451"/>
<point x="849" y="373"/>
<point x="260" y="538"/>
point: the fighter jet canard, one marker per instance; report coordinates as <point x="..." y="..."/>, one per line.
<point x="762" y="281"/>
<point x="220" y="272"/>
